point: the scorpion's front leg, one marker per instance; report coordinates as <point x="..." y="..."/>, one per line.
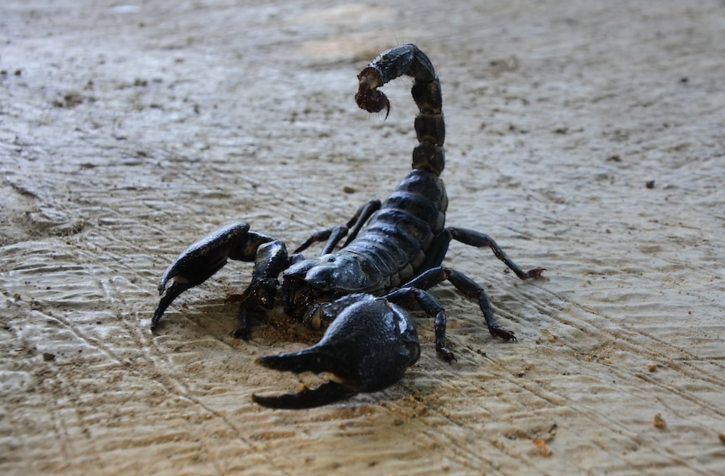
<point x="367" y="348"/>
<point x="202" y="259"/>
<point x="470" y="289"/>
<point x="433" y="308"/>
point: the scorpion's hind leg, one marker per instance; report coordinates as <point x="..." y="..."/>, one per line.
<point x="367" y="348"/>
<point x="202" y="259"/>
<point x="335" y="234"/>
<point x="481" y="240"/>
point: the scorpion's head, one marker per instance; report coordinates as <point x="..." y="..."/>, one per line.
<point x="367" y="348"/>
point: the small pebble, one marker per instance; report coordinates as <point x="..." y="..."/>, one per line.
<point x="659" y="422"/>
<point x="651" y="367"/>
<point x="545" y="451"/>
<point x="47" y="356"/>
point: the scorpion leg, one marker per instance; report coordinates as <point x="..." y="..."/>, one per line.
<point x="335" y="234"/>
<point x="202" y="259"/>
<point x="433" y="308"/>
<point x="360" y="218"/>
<point x="367" y="348"/>
<point x="436" y="274"/>
<point x="439" y="248"/>
<point x="481" y="240"/>
<point x="469" y="288"/>
<point x="332" y="235"/>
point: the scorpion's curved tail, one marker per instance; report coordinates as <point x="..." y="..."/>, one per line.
<point x="429" y="126"/>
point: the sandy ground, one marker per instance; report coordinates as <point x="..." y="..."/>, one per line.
<point x="129" y="130"/>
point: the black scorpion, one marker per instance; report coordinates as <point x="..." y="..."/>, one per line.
<point x="357" y="288"/>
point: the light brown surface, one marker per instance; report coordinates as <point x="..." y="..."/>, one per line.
<point x="129" y="130"/>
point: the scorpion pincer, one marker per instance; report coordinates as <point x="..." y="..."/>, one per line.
<point x="392" y="255"/>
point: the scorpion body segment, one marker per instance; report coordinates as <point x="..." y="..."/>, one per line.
<point x="393" y="254"/>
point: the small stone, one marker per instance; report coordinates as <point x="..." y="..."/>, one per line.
<point x="545" y="451"/>
<point x="659" y="422"/>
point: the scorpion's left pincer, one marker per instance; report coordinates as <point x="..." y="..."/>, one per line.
<point x="367" y="348"/>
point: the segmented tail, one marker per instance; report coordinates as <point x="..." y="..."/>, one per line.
<point x="429" y="125"/>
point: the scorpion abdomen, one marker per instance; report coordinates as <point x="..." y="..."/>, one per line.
<point x="393" y="247"/>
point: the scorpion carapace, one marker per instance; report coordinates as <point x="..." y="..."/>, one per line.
<point x="393" y="254"/>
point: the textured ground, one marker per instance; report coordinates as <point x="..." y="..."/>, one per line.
<point x="129" y="130"/>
